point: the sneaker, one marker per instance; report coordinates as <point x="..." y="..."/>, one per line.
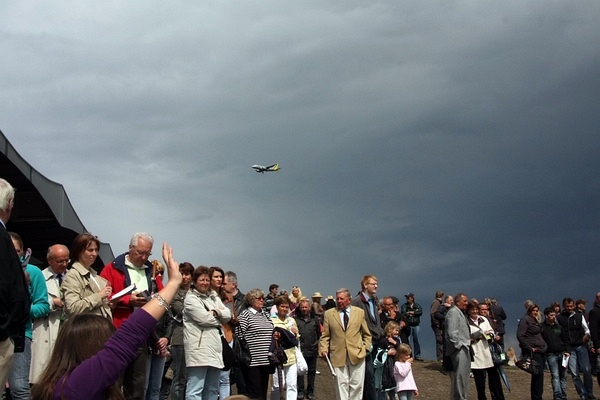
<point x="317" y="372"/>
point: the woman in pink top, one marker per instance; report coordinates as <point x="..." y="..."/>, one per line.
<point x="405" y="383"/>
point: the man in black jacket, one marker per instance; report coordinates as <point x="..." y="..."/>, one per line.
<point x="579" y="336"/>
<point x="14" y="292"/>
<point x="309" y="329"/>
<point x="558" y="349"/>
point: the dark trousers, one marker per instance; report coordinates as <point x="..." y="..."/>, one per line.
<point x="310" y="377"/>
<point x="179" y="372"/>
<point x="439" y="342"/>
<point x="537" y="381"/>
<point x="257" y="381"/>
<point x="369" y="392"/>
<point x="494" y="383"/>
<point x="237" y="377"/>
<point x="134" y="378"/>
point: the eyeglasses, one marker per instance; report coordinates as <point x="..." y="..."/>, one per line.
<point x="260" y="298"/>
<point x="142" y="253"/>
<point x="66" y="261"/>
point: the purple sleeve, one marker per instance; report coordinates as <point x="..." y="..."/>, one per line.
<point x="91" y="378"/>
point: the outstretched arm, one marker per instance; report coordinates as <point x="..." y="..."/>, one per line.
<point x="160" y="302"/>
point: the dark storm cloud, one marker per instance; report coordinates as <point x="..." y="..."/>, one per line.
<point x="440" y="146"/>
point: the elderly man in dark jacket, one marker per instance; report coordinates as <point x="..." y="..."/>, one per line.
<point x="309" y="328"/>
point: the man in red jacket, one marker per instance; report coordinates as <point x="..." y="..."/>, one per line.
<point x="126" y="269"/>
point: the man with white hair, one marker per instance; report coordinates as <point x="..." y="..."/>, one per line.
<point x="457" y="337"/>
<point x="346" y="339"/>
<point x="14" y="294"/>
<point x="126" y="269"/>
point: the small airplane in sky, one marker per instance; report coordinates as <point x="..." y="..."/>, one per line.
<point x="262" y="169"/>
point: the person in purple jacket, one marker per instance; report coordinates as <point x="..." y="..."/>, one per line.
<point x="88" y="358"/>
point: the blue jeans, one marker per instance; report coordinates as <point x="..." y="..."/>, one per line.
<point x="202" y="383"/>
<point x="580" y="363"/>
<point x="224" y="384"/>
<point x="19" y="373"/>
<point x="155" y="368"/>
<point x="406" y="394"/>
<point x="414" y="340"/>
<point x="559" y="375"/>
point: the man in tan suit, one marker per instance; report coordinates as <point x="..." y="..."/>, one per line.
<point x="346" y="338"/>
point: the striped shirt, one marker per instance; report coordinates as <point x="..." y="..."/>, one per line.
<point x="257" y="329"/>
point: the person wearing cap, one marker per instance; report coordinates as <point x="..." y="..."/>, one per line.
<point x="316" y="306"/>
<point x="329" y="303"/>
<point x="413" y="311"/>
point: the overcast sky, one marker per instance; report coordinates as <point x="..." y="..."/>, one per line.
<point x="447" y="145"/>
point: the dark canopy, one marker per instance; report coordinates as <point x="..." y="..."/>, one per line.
<point x="43" y="214"/>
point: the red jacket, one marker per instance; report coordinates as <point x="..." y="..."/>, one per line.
<point x="117" y="274"/>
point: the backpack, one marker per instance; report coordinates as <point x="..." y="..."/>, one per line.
<point x="388" y="381"/>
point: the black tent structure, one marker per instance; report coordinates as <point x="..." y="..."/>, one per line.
<point x="43" y="214"/>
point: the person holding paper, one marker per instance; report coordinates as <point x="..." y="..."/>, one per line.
<point x="132" y="267"/>
<point x="84" y="290"/>
<point x="89" y="369"/>
<point x="346" y="338"/>
<point x="558" y="347"/>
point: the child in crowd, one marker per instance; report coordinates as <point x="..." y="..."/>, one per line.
<point x="391" y="340"/>
<point x="383" y="364"/>
<point x="405" y="382"/>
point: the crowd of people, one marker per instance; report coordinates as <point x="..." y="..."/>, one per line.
<point x="68" y="332"/>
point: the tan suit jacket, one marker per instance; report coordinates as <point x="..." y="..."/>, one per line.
<point x="80" y="290"/>
<point x="354" y="342"/>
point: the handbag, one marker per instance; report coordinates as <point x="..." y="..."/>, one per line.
<point x="241" y="353"/>
<point x="498" y="356"/>
<point x="226" y="351"/>
<point x="228" y="356"/>
<point x="388" y="381"/>
<point x="301" y="365"/>
<point x="529" y="365"/>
